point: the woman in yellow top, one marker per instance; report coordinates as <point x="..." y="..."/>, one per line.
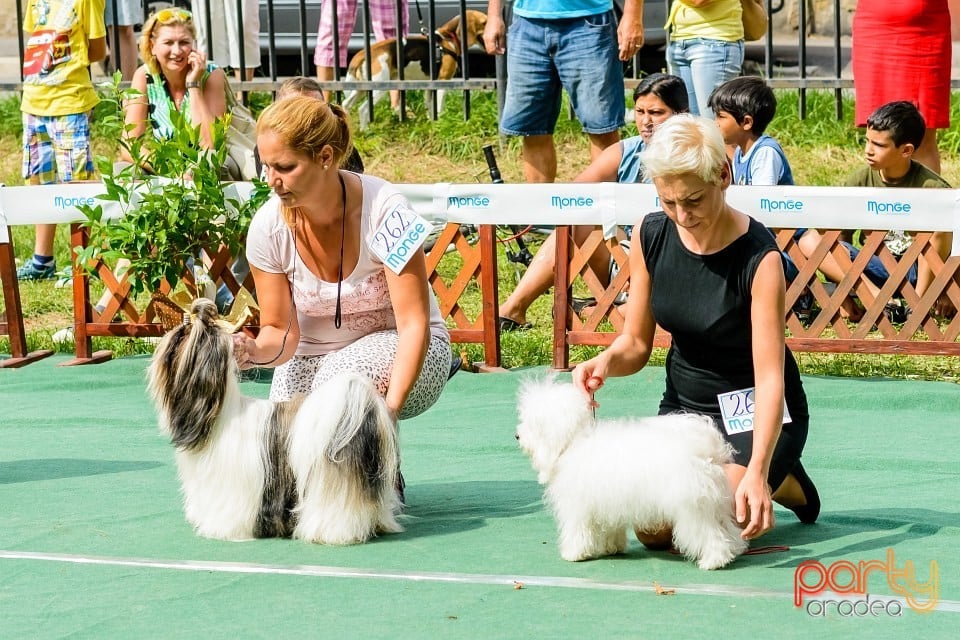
<point x="705" y="47"/>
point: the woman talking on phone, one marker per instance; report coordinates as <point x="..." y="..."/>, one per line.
<point x="175" y="77"/>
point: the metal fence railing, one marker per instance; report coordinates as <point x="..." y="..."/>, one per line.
<point x="815" y="57"/>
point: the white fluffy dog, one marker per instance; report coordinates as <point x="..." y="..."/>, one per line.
<point x="320" y="468"/>
<point x="604" y="477"/>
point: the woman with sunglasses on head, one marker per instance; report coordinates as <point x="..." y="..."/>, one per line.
<point x="339" y="285"/>
<point x="175" y="77"/>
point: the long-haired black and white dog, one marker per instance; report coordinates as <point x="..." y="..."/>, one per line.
<point x="320" y="468"/>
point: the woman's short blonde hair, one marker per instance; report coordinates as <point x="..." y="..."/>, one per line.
<point x="170" y="17"/>
<point x="685" y="144"/>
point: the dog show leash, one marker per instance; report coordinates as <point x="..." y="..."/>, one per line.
<point x="423" y="29"/>
<point x="440" y="50"/>
<point x="593" y="385"/>
<point x="336" y="317"/>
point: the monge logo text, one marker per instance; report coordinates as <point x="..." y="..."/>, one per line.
<point x="894" y="208"/>
<point x="468" y="201"/>
<point x="61" y="202"/>
<point x="563" y="202"/>
<point x="767" y="204"/>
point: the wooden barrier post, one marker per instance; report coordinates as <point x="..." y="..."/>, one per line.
<point x="480" y="265"/>
<point x="82" y="308"/>
<point x="11" y="320"/>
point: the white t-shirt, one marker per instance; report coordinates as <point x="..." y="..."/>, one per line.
<point x="365" y="305"/>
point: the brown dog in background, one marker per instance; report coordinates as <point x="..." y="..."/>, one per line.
<point x="384" y="62"/>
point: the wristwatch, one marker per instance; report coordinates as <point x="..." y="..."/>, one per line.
<point x="193" y="85"/>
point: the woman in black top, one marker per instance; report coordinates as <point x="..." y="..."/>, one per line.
<point x="712" y="276"/>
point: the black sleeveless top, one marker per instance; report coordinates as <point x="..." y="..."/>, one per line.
<point x="704" y="302"/>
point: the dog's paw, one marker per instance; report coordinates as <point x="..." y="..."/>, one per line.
<point x="717" y="558"/>
<point x="574" y="555"/>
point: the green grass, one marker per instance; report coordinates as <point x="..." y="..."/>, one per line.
<point x="822" y="150"/>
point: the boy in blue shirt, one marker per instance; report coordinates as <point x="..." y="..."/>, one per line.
<point x="743" y="107"/>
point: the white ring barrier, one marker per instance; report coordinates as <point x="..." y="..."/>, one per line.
<point x="605" y="204"/>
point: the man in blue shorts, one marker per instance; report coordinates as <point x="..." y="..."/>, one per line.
<point x="563" y="44"/>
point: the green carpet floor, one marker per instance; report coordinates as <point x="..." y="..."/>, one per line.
<point x="93" y="543"/>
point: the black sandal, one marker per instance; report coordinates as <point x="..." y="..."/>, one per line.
<point x="508" y="324"/>
<point x="808" y="512"/>
<point x="579" y="304"/>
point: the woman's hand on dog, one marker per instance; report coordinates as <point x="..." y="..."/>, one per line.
<point x="241" y="350"/>
<point x="588" y="378"/>
<point x="754" y="505"/>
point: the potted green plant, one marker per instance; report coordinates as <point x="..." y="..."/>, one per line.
<point x="173" y="217"/>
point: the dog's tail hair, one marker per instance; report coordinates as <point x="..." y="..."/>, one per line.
<point x="364" y="441"/>
<point x="344" y="455"/>
<point x="344" y="440"/>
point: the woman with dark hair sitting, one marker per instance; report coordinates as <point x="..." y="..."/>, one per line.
<point x="655" y="99"/>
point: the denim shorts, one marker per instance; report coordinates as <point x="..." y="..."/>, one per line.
<point x="544" y="57"/>
<point x="875" y="271"/>
<point x="703" y="65"/>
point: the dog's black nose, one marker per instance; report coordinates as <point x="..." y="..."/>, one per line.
<point x="517" y="436"/>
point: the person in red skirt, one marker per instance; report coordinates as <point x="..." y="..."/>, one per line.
<point x="902" y="51"/>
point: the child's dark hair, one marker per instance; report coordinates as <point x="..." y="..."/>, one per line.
<point x="746" y="96"/>
<point x="902" y="120"/>
<point x="670" y="89"/>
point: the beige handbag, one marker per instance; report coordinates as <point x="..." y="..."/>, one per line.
<point x="754" y="19"/>
<point x="241" y="137"/>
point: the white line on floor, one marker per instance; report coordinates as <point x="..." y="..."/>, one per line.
<point x="427" y="576"/>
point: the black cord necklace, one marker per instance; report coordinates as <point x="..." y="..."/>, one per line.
<point x="336" y="315"/>
<point x="343" y="233"/>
